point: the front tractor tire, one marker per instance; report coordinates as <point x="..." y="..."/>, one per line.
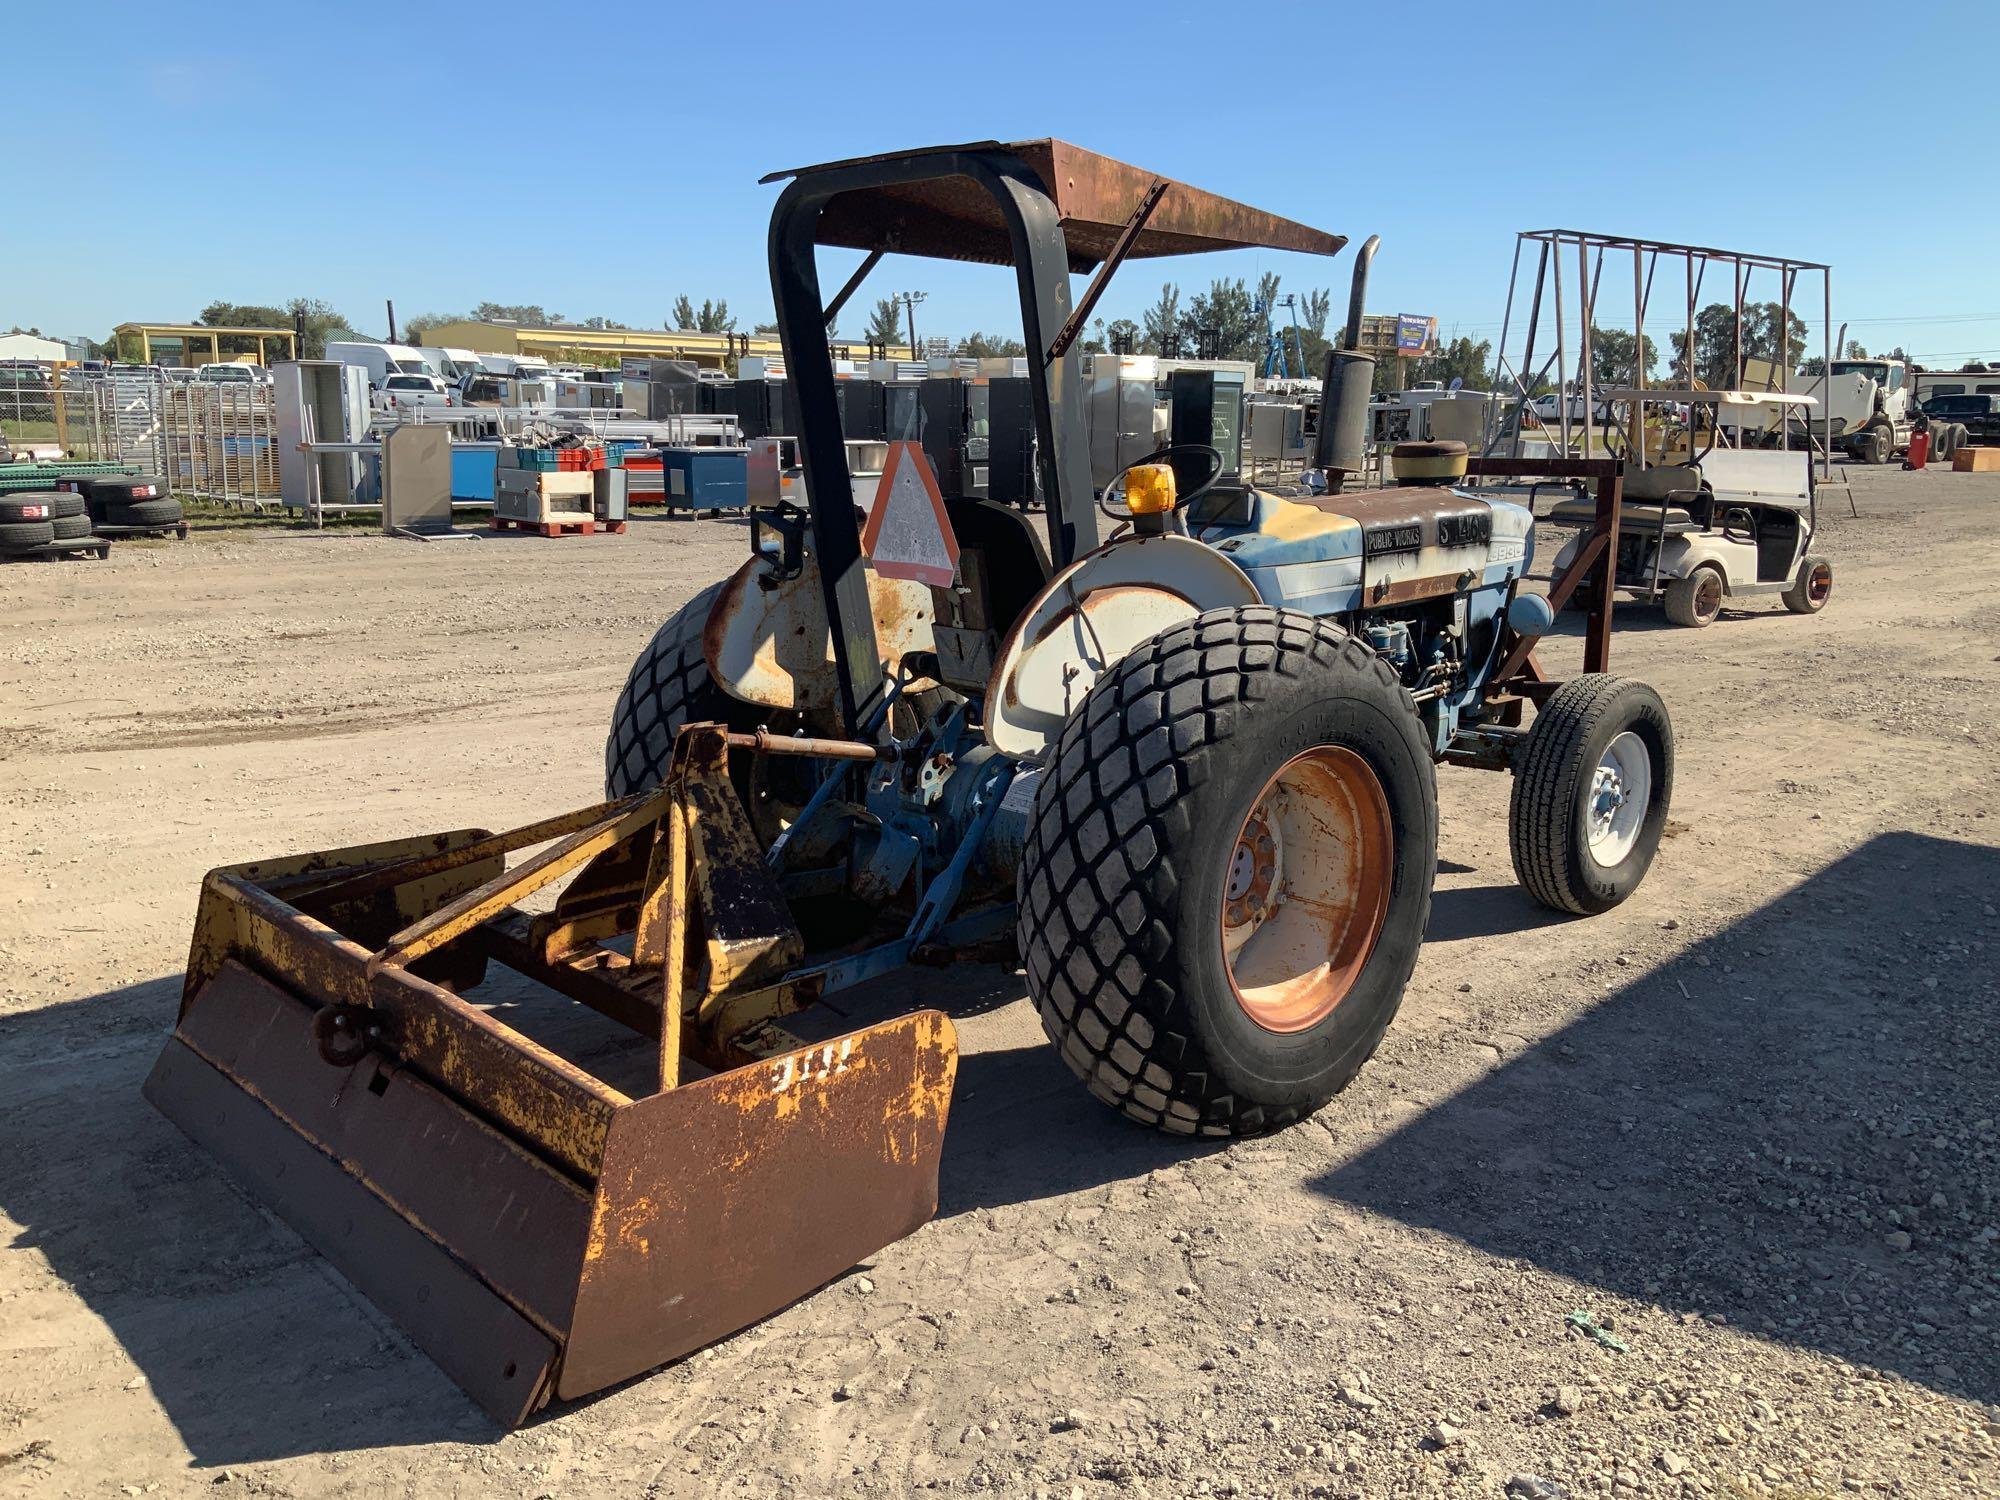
<point x="1591" y="791"/>
<point x="1228" y="872"/>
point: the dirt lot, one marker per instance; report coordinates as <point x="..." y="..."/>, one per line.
<point x="1746" y="1123"/>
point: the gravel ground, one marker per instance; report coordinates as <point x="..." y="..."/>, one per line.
<point x="1698" y="1197"/>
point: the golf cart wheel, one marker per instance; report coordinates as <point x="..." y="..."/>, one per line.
<point x="1228" y="871"/>
<point x="1695" y="601"/>
<point x="1813" y="586"/>
<point x="1591" y="791"/>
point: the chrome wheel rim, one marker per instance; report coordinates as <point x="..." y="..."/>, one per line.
<point x="1620" y="788"/>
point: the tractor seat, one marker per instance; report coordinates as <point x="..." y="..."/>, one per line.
<point x="1644" y="516"/>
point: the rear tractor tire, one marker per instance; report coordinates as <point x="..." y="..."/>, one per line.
<point x="667" y="687"/>
<point x="1228" y="871"/>
<point x="1695" y="601"/>
<point x="1591" y="791"/>
<point x="1812" y="587"/>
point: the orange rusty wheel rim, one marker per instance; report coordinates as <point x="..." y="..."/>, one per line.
<point x="1306" y="889"/>
<point x="1819" y="583"/>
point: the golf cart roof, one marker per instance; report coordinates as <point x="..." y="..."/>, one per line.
<point x="952" y="218"/>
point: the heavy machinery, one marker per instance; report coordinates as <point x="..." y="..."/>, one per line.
<point x="1865" y="411"/>
<point x="1188" y="770"/>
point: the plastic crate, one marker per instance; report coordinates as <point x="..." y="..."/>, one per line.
<point x="15" y="478"/>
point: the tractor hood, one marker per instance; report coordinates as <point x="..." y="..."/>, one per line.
<point x="1331" y="554"/>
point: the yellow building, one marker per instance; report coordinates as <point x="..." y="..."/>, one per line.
<point x="569" y="342"/>
<point x="188" y="341"/>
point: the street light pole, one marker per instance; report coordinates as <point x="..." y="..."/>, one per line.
<point x="910" y="301"/>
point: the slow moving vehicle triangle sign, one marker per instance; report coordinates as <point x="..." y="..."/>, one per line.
<point x="908" y="533"/>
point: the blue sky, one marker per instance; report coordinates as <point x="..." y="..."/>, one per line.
<point x="357" y="152"/>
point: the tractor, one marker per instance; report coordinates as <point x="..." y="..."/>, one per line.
<point x="1173" y="742"/>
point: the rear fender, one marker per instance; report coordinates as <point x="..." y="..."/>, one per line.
<point x="1088" y="618"/>
<point x="767" y="640"/>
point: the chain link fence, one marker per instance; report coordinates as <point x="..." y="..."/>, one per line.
<point x="209" y="440"/>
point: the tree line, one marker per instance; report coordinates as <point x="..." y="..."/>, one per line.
<point x="1230" y="319"/>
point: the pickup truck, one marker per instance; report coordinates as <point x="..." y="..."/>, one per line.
<point x="1978" y="415"/>
<point x="407" y="392"/>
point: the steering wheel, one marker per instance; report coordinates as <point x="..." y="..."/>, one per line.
<point x="1160" y="455"/>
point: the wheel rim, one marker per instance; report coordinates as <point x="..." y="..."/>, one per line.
<point x="1306" y="889"/>
<point x="1708" y="595"/>
<point x="1620" y="789"/>
<point x="1819" y="584"/>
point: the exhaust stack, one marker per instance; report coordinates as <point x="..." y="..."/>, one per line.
<point x="1339" y="447"/>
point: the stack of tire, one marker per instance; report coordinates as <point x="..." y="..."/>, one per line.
<point x="137" y="500"/>
<point x="33" y="519"/>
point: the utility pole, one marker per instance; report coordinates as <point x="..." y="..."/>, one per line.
<point x="392" y="322"/>
<point x="910" y="301"/>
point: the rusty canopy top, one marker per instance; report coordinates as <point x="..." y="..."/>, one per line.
<point x="952" y="218"/>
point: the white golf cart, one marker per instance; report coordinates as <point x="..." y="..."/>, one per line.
<point x="1730" y="523"/>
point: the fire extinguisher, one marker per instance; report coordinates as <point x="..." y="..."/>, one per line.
<point x="1920" y="446"/>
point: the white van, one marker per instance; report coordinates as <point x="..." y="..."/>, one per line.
<point x="380" y="360"/>
<point x="449" y="365"/>
<point x="524" y="366"/>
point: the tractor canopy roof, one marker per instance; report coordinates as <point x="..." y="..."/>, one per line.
<point x="953" y="218"/>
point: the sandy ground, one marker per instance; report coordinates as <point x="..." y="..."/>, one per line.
<point x="1746" y="1122"/>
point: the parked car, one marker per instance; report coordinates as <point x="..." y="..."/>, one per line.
<point x="27" y="394"/>
<point x="407" y="392"/>
<point x="230" y="372"/>
<point x="483" y="390"/>
<point x="1978" y="415"/>
<point x="1549" y="408"/>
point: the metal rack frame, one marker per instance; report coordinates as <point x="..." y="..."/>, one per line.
<point x="1588" y="251"/>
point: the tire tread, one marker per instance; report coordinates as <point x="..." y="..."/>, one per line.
<point x="1545" y="790"/>
<point x="1110" y="809"/>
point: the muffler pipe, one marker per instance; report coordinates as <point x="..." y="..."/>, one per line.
<point x="1340" y="444"/>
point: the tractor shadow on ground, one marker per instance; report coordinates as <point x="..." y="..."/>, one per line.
<point x="257" y="1349"/>
<point x="1022" y="1126"/>
<point x="1729" y="1134"/>
<point x="1633" y="617"/>
<point x="254" y="1346"/>
<point x="1473" y="911"/>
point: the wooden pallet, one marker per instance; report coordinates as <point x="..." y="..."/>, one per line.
<point x="172" y="528"/>
<point x="67" y="547"/>
<point x="555" y="528"/>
